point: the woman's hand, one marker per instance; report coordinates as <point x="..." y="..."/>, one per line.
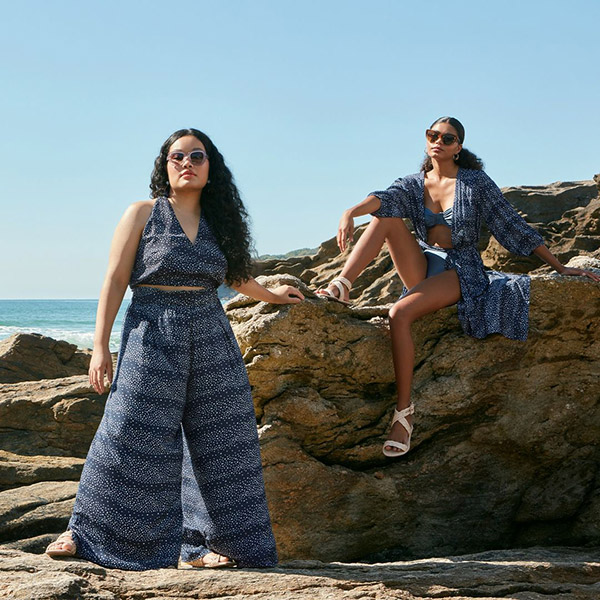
<point x="287" y="294"/>
<point x="580" y="272"/>
<point x="345" y="234"/>
<point x="100" y="365"/>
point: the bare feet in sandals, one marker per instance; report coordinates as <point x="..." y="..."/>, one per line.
<point x="338" y="290"/>
<point x="401" y="432"/>
<point x="212" y="560"/>
<point x="63" y="546"/>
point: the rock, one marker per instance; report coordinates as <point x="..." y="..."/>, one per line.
<point x="17" y="470"/>
<point x="31" y="356"/>
<point x="35" y="509"/>
<point x="506" y="431"/>
<point x="532" y="574"/>
<point x="546" y="203"/>
<point x="55" y="417"/>
<point x="576" y="233"/>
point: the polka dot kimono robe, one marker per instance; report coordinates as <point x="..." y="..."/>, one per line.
<point x="491" y="302"/>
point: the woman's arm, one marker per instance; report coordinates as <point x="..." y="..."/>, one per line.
<point x="284" y="294"/>
<point x="120" y="263"/>
<point x="345" y="234"/>
<point x="547" y="256"/>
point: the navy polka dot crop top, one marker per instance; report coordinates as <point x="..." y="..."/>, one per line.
<point x="441" y="218"/>
<point x="166" y="256"/>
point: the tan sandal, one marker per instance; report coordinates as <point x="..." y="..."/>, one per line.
<point x="212" y="560"/>
<point x="336" y="283"/>
<point x="400" y="417"/>
<point x="64" y="539"/>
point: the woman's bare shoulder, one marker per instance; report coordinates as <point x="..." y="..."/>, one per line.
<point x="137" y="214"/>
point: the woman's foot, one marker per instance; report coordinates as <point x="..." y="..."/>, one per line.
<point x="212" y="560"/>
<point x="338" y="290"/>
<point x="63" y="546"/>
<point x="401" y="432"/>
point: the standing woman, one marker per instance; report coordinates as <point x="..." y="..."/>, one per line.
<point x="446" y="202"/>
<point x="174" y="470"/>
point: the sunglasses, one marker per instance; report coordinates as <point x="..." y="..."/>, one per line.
<point x="447" y="138"/>
<point x="197" y="157"/>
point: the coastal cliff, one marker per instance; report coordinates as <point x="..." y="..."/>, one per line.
<point x="504" y="453"/>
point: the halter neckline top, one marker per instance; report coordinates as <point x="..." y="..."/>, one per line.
<point x="166" y="256"/>
<point x="441" y="218"/>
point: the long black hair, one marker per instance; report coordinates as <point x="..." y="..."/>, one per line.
<point x="466" y="158"/>
<point x="221" y="205"/>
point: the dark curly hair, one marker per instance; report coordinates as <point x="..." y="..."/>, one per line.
<point x="221" y="205"/>
<point x="466" y="158"/>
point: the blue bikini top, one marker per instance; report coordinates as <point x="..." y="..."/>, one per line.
<point x="166" y="256"/>
<point x="441" y="218"/>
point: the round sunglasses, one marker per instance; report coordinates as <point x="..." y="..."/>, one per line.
<point x="197" y="157"/>
<point x="447" y="138"/>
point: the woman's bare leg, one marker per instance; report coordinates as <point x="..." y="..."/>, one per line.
<point x="405" y="251"/>
<point x="426" y="297"/>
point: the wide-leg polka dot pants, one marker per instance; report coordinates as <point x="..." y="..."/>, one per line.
<point x="174" y="468"/>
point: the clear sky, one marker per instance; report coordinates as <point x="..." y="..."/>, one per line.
<point x="313" y="104"/>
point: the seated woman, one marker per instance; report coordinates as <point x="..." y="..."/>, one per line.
<point x="440" y="265"/>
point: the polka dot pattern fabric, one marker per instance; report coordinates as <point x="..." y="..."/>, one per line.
<point x="166" y="256"/>
<point x="491" y="301"/>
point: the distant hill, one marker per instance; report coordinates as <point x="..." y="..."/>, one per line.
<point x="292" y="253"/>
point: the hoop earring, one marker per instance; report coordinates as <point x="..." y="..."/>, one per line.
<point x="456" y="156"/>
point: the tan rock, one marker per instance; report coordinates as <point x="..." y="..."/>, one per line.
<point x="31" y="356"/>
<point x="531" y="574"/>
<point x="505" y="431"/>
<point x="35" y="509"/>
<point x="16" y="470"/>
<point x="49" y="417"/>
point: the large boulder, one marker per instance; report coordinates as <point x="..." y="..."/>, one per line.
<point x="51" y="417"/>
<point x="506" y="431"/>
<point x="31" y="356"/>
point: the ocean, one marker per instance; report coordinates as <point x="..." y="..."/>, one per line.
<point x="70" y="320"/>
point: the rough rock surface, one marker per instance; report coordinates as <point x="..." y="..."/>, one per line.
<point x="533" y="574"/>
<point x="54" y="417"/>
<point x="29" y="356"/>
<point x="506" y="432"/>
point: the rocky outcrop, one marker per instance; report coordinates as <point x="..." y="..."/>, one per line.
<point x="533" y="574"/>
<point x="505" y="431"/>
<point x="504" y="453"/>
<point x="49" y="417"/>
<point x="547" y="203"/>
<point x="30" y="356"/>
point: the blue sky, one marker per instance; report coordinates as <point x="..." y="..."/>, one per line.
<point x="313" y="104"/>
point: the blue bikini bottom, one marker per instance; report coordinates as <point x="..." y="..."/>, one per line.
<point x="436" y="260"/>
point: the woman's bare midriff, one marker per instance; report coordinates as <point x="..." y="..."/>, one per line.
<point x="171" y="288"/>
<point x="439" y="235"/>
